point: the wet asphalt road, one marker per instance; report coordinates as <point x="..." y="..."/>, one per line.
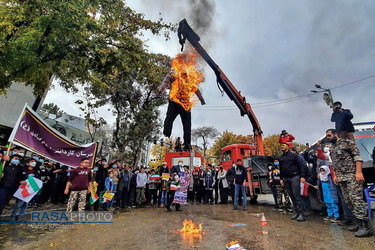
<point x="154" y="228"/>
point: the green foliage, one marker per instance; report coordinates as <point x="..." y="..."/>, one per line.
<point x="73" y="40"/>
<point x="158" y="152"/>
<point x="52" y="108"/>
<point x="95" y="43"/>
<point x="225" y="139"/>
<point x="272" y="146"/>
<point x="94" y="123"/>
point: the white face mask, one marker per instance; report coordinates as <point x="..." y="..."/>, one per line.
<point x="22" y="154"/>
<point x="180" y="164"/>
<point x="33" y="164"/>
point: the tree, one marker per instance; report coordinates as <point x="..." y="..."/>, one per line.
<point x="42" y="38"/>
<point x="159" y="151"/>
<point x="105" y="133"/>
<point x="205" y="133"/>
<point x="299" y="146"/>
<point x="132" y="91"/>
<point x="225" y="139"/>
<point x="247" y="139"/>
<point x="90" y="113"/>
<point x="272" y="146"/>
<point x="53" y="109"/>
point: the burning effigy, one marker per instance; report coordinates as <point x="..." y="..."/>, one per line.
<point x="184" y="93"/>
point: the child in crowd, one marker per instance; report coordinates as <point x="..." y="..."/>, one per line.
<point x="209" y="183"/>
<point x="20" y="204"/>
<point x="330" y="195"/>
<point x="273" y="179"/>
<point x="109" y="187"/>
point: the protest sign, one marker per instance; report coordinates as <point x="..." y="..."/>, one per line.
<point x="107" y="196"/>
<point x="33" y="134"/>
<point x="165" y="176"/>
<point x="180" y="196"/>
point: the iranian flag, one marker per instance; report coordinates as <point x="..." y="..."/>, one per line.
<point x="31" y="187"/>
<point x="27" y="191"/>
<point x="175" y="187"/>
<point x="155" y="177"/>
<point x="93" y="198"/>
<point x="304" y="188"/>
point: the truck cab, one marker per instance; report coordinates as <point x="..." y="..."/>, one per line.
<point x="232" y="153"/>
<point x="256" y="165"/>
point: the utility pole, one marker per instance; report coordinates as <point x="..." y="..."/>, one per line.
<point x="327" y="96"/>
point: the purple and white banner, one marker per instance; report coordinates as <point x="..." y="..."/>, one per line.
<point x="32" y="133"/>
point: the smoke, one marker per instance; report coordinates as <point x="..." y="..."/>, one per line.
<point x="201" y="14"/>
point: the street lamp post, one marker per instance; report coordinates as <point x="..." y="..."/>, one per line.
<point x="327" y="96"/>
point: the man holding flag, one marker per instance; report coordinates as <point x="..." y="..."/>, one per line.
<point x="13" y="174"/>
<point x="28" y="189"/>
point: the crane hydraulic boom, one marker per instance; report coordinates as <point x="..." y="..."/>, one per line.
<point x="186" y="32"/>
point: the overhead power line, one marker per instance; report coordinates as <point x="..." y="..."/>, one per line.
<point x="349" y="83"/>
<point x="279" y="101"/>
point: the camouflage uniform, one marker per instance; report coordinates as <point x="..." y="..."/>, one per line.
<point x="344" y="154"/>
<point x="81" y="196"/>
<point x="281" y="190"/>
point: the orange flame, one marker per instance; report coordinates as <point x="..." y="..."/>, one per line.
<point x="187" y="80"/>
<point x="191" y="228"/>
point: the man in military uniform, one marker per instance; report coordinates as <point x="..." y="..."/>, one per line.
<point x="347" y="165"/>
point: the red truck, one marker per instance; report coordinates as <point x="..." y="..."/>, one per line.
<point x="256" y="167"/>
<point x="190" y="158"/>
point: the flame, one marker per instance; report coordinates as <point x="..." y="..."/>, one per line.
<point x="187" y="80"/>
<point x="190" y="227"/>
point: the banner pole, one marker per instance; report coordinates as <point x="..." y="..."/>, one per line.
<point x="9" y="147"/>
<point x="3" y="163"/>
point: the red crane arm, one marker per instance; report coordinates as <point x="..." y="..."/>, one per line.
<point x="186" y="32"/>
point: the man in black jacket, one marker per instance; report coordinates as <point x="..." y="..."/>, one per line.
<point x="13" y="174"/>
<point x="177" y="169"/>
<point x="341" y="117"/>
<point x="239" y="180"/>
<point x="292" y="173"/>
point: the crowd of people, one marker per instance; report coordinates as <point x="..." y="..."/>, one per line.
<point x="132" y="187"/>
<point x="332" y="173"/>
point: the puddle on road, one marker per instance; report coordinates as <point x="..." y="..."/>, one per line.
<point x="189" y="240"/>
